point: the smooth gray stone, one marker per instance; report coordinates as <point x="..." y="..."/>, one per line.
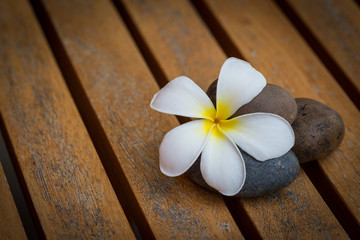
<point x="261" y="177"/>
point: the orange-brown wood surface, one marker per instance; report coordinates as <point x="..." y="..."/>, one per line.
<point x="336" y="25"/>
<point x="10" y="223"/>
<point x="70" y="192"/>
<point x="295" y="212"/>
<point x="284" y="58"/>
<point x="172" y="30"/>
<point x="76" y="81"/>
<point x="177" y="39"/>
<point x="119" y="87"/>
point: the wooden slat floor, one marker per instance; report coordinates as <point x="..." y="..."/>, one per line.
<point x="76" y="80"/>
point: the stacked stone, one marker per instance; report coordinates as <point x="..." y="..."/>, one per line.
<point x="318" y="130"/>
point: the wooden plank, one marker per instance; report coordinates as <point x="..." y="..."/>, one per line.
<point x="281" y="54"/>
<point x="68" y="186"/>
<point x="342" y="40"/>
<point x="180" y="47"/>
<point x="119" y="86"/>
<point x="173" y="30"/>
<point x="299" y="221"/>
<point x="10" y="222"/>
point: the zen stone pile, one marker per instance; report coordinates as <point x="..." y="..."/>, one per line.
<point x="318" y="130"/>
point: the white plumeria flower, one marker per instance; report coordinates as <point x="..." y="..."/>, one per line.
<point x="213" y="135"/>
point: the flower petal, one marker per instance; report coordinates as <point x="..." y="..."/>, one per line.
<point x="183" y="97"/>
<point x="222" y="165"/>
<point x="262" y="135"/>
<point x="238" y="84"/>
<point x="182" y="146"/>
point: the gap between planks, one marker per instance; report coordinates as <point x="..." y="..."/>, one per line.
<point x="11" y="226"/>
<point x="32" y="224"/>
<point x="16" y="189"/>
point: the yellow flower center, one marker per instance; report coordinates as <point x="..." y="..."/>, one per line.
<point x="217" y="121"/>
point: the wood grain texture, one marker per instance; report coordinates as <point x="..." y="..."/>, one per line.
<point x="342" y="39"/>
<point x="289" y="213"/>
<point x="184" y="30"/>
<point x="10" y="222"/>
<point x="69" y="189"/>
<point x="283" y="57"/>
<point x="120" y="87"/>
<point x="176" y="38"/>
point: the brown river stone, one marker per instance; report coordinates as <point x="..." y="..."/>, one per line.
<point x="272" y="99"/>
<point x="318" y="129"/>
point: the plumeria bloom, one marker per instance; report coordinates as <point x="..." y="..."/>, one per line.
<point x="213" y="134"/>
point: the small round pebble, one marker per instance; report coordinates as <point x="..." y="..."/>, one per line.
<point x="272" y="99"/>
<point x="261" y="177"/>
<point x="318" y="130"/>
